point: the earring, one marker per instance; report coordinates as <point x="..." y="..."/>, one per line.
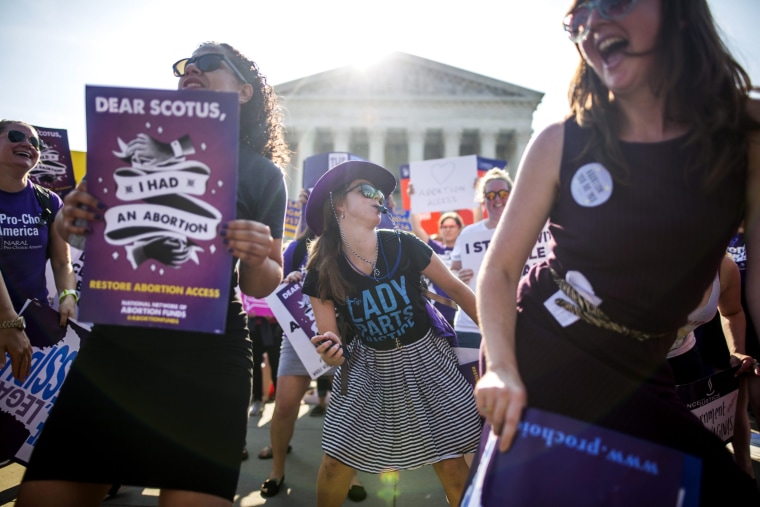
<point x="342" y="216"/>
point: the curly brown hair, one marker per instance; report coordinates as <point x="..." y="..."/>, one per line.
<point x="704" y="87"/>
<point x="261" y="119"/>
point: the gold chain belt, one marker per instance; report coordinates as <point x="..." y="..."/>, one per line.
<point x="590" y="313"/>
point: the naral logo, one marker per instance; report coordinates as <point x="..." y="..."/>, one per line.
<point x="15" y="245"/>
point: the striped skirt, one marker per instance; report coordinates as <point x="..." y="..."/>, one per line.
<point x="404" y="408"/>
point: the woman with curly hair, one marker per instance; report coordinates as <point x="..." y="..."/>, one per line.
<point x="644" y="184"/>
<point x="161" y="408"/>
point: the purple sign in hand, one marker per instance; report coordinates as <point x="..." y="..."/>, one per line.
<point x="164" y="163"/>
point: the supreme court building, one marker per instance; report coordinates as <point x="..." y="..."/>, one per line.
<point x="405" y="109"/>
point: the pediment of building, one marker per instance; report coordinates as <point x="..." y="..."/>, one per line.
<point x="401" y="75"/>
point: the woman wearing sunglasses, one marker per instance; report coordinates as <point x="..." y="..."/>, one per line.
<point x="168" y="409"/>
<point x="449" y="226"/>
<point x="659" y="159"/>
<point x="372" y="320"/>
<point x="28" y="241"/>
<point x="492" y="192"/>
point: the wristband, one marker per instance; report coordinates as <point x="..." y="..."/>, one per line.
<point x="68" y="292"/>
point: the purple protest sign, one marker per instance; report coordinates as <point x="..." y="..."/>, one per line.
<point x="55" y="169"/>
<point x="317" y="165"/>
<point x="293" y="312"/>
<point x="556" y="460"/>
<point x="24" y="406"/>
<point x="165" y="165"/>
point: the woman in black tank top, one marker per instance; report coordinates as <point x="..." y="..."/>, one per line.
<point x="643" y="184"/>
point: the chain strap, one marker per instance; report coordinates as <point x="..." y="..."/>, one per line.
<point x="590" y="313"/>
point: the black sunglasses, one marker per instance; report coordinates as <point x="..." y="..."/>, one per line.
<point x="206" y="63"/>
<point x="368" y="191"/>
<point x="576" y="23"/>
<point x="492" y="195"/>
<point x="16" y="136"/>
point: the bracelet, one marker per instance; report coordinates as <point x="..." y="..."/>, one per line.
<point x="68" y="292"/>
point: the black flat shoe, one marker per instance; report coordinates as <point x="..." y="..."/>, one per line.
<point x="357" y="493"/>
<point x="271" y="487"/>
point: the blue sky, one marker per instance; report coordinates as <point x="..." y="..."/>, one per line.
<point x="51" y="48"/>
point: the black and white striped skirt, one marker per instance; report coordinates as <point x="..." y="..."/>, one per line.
<point x="404" y="408"/>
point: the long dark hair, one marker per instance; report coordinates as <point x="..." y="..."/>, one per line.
<point x="704" y="87"/>
<point x="324" y="252"/>
<point x="261" y="120"/>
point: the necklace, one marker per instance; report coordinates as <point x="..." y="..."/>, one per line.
<point x="373" y="264"/>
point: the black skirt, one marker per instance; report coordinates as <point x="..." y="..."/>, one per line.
<point x="151" y="408"/>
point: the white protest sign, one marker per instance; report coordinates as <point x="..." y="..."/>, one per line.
<point x="293" y="312"/>
<point x="540" y="249"/>
<point x="474" y="249"/>
<point x="443" y="184"/>
<point x="713" y="400"/>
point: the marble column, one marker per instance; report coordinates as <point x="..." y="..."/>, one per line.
<point x="521" y="139"/>
<point x="341" y="139"/>
<point x="488" y="143"/>
<point x="451" y="141"/>
<point x="303" y="150"/>
<point x="377" y="146"/>
<point x="416" y="140"/>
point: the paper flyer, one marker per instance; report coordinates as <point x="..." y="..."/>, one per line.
<point x="164" y="163"/>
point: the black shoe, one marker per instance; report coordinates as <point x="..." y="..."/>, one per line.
<point x="115" y="490"/>
<point x="271" y="487"/>
<point x="317" y="411"/>
<point x="357" y="493"/>
<point x="245" y="454"/>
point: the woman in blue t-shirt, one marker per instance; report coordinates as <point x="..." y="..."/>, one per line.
<point x="389" y="413"/>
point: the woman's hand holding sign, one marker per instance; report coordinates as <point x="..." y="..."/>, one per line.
<point x="79" y="208"/>
<point x="260" y="256"/>
<point x="500" y="397"/>
<point x="247" y="240"/>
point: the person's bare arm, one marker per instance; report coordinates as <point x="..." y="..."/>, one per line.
<point x="13" y="340"/>
<point x="500" y="393"/>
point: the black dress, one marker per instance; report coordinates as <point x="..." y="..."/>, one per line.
<point x="162" y="408"/>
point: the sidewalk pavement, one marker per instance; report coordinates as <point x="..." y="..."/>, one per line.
<point x="414" y="488"/>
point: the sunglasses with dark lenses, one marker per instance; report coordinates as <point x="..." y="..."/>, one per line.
<point x="206" y="63"/>
<point x="368" y="191"/>
<point x="16" y="136"/>
<point x="576" y="23"/>
<point x="503" y="194"/>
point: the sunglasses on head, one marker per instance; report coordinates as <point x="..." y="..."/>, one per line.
<point x="206" y="63"/>
<point x="16" y="136"/>
<point x="503" y="194"/>
<point x="576" y="23"/>
<point x="368" y="191"/>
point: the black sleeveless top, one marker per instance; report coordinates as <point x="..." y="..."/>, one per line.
<point x="649" y="246"/>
